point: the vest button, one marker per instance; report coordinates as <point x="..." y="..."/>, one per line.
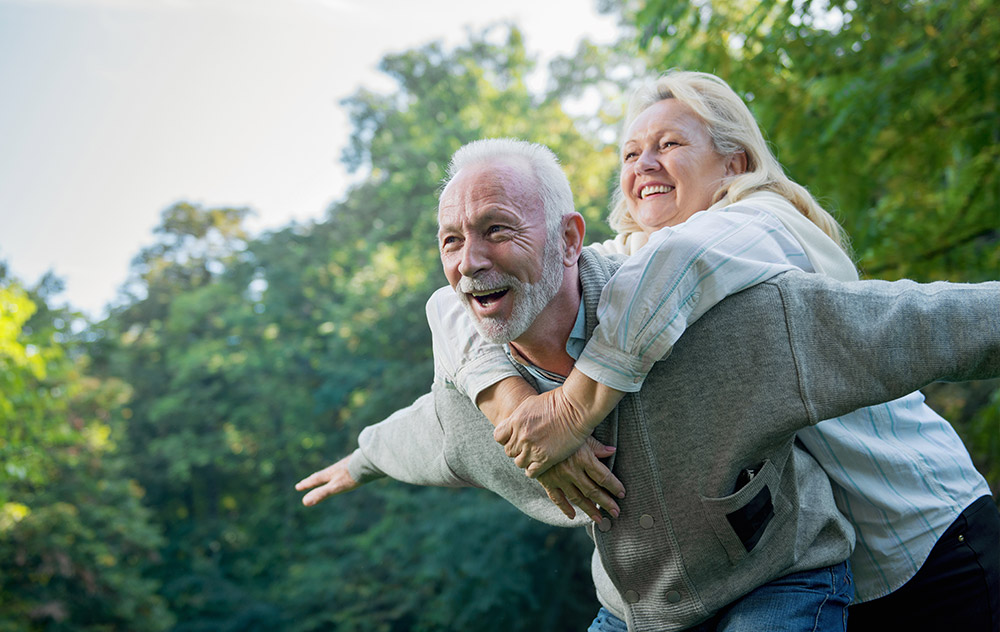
<point x="604" y="525"/>
<point x="631" y="596"/>
<point x="646" y="521"/>
<point x="673" y="596"/>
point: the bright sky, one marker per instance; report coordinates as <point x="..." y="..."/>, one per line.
<point x="112" y="110"/>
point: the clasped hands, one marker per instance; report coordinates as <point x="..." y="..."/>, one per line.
<point x="549" y="436"/>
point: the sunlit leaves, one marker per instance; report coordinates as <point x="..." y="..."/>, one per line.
<point x="73" y="538"/>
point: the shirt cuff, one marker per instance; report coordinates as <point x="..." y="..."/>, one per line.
<point x="611" y="367"/>
<point x="361" y="469"/>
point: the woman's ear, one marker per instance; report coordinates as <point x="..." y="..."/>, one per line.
<point x="573" y="230"/>
<point x="737" y="163"/>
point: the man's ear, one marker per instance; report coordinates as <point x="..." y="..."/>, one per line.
<point x="573" y="230"/>
<point x="737" y="163"/>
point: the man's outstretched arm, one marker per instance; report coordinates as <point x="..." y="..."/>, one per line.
<point x="407" y="446"/>
<point x="866" y="342"/>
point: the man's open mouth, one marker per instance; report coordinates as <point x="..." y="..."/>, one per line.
<point x="487" y="298"/>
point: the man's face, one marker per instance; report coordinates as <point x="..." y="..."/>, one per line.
<point x="495" y="249"/>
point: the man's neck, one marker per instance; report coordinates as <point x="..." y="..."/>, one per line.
<point x="544" y="344"/>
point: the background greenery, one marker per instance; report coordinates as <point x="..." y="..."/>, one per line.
<point x="148" y="460"/>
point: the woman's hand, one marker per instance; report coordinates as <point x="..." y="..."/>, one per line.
<point x="542" y="431"/>
<point x="584" y="481"/>
<point x="545" y="429"/>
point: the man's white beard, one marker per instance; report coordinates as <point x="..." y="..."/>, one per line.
<point x="529" y="298"/>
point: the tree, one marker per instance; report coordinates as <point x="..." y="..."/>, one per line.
<point x="74" y="538"/>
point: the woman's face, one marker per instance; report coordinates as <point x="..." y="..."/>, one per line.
<point x="670" y="170"/>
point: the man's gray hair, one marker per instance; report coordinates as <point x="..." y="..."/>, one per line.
<point x="538" y="160"/>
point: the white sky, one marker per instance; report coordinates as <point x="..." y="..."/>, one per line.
<point x="112" y="110"/>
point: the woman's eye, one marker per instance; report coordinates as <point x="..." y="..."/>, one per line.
<point x="667" y="144"/>
<point x="629" y="156"/>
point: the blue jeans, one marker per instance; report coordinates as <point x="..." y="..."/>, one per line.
<point x="607" y="622"/>
<point x="810" y="601"/>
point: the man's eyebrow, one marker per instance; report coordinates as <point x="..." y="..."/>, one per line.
<point x="448" y="227"/>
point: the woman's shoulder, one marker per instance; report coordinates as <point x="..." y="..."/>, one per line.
<point x="759" y="201"/>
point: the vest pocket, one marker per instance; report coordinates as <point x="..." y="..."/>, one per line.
<point x="741" y="520"/>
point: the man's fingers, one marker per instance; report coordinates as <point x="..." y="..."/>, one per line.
<point x="314" y="479"/>
<point x="334" y="480"/>
<point x="315" y="496"/>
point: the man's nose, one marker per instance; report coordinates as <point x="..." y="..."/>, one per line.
<point x="475" y="258"/>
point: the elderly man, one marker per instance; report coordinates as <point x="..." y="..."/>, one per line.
<point x="721" y="502"/>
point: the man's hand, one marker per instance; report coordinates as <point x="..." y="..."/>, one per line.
<point x="334" y="479"/>
<point x="584" y="481"/>
<point x="547" y="428"/>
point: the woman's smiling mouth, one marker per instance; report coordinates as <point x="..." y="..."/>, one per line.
<point x="653" y="189"/>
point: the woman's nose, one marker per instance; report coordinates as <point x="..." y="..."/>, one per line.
<point x="646" y="162"/>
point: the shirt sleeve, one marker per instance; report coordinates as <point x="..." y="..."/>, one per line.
<point x="680" y="274"/>
<point x="407" y="446"/>
<point x="867" y="342"/>
<point x="461" y="357"/>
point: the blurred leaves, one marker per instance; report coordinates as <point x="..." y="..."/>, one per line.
<point x="74" y="537"/>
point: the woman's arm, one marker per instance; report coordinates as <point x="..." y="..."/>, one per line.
<point x="680" y="274"/>
<point x="484" y="373"/>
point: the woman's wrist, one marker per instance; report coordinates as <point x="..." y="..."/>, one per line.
<point x="500" y="399"/>
<point x="592" y="400"/>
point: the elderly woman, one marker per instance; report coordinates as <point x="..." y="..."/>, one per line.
<point x="705" y="210"/>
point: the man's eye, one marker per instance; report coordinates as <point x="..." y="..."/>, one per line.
<point x="495" y="229"/>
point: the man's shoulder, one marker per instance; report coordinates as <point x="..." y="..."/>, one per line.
<point x="597" y="266"/>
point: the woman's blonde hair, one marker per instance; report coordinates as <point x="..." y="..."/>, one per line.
<point x="733" y="129"/>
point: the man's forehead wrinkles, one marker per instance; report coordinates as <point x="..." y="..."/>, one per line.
<point x="486" y="193"/>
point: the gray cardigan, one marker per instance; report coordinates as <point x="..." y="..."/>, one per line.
<point x="779" y="356"/>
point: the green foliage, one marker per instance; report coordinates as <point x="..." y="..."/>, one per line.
<point x="74" y="538"/>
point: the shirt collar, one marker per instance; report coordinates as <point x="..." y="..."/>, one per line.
<point x="547" y="380"/>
